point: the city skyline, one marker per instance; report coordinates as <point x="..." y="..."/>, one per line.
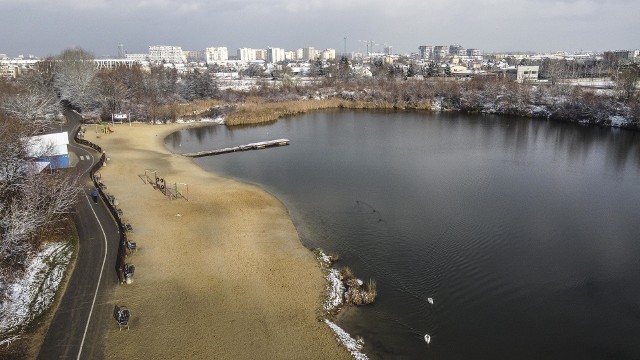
<point x="47" y="28"/>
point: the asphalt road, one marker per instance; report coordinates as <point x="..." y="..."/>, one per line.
<point x="84" y="315"/>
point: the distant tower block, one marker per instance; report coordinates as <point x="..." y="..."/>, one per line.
<point x="122" y="53"/>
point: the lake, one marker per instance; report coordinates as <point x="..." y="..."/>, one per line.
<point x="526" y="233"/>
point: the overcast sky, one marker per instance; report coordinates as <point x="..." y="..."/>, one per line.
<point x="47" y="27"/>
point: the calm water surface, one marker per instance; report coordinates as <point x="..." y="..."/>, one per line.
<point x="526" y="233"/>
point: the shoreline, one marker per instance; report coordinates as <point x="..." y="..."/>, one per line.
<point x="224" y="275"/>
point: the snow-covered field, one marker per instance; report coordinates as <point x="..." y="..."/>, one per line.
<point x="30" y="296"/>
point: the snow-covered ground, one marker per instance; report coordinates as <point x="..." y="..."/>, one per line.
<point x="30" y="296"/>
<point x="354" y="346"/>
<point x="334" y="299"/>
<point x="217" y="121"/>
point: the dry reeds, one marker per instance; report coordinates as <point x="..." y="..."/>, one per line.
<point x="255" y="111"/>
<point x="346" y="274"/>
<point x="359" y="294"/>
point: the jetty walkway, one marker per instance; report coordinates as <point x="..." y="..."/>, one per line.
<point x="252" y="146"/>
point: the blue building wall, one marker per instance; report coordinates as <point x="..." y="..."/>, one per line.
<point x="57" y="162"/>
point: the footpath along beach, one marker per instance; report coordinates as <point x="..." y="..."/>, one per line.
<point x="222" y="276"/>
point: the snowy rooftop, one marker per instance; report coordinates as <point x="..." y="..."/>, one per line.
<point x="49" y="144"/>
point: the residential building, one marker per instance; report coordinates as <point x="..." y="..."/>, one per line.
<point x="166" y="53"/>
<point x="195" y="56"/>
<point x="426" y="52"/>
<point x="455" y="49"/>
<point x="275" y="55"/>
<point x="290" y="55"/>
<point x="216" y="54"/>
<point x="309" y="53"/>
<point x="474" y="52"/>
<point x="527" y="73"/>
<point x="11" y="68"/>
<point x="137" y="57"/>
<point x="261" y="54"/>
<point x="328" y="54"/>
<point x="440" y="52"/>
<point x="246" y="54"/>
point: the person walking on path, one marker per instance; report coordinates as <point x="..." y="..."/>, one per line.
<point x="94" y="195"/>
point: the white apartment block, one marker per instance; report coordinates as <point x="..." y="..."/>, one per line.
<point x="299" y="54"/>
<point x="275" y="55"/>
<point x="328" y="54"/>
<point x="137" y="57"/>
<point x="290" y="55"/>
<point x="216" y="54"/>
<point x="168" y="54"/>
<point x="194" y="56"/>
<point x="309" y="53"/>
<point x="11" y="68"/>
<point x="261" y="54"/>
<point x="246" y="54"/>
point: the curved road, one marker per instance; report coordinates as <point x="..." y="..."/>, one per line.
<point x="84" y="315"/>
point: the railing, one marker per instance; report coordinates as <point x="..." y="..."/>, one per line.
<point x="120" y="259"/>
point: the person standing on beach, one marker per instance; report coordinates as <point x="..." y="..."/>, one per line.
<point x="94" y="195"/>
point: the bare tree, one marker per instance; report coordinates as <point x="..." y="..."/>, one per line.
<point x="75" y="79"/>
<point x="114" y="94"/>
<point x="626" y="79"/>
<point x="34" y="103"/>
<point x="30" y="202"/>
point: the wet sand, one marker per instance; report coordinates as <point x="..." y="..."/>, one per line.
<point x="222" y="276"/>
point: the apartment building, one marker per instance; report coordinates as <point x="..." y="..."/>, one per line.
<point x="246" y="54"/>
<point x="309" y="53"/>
<point x="275" y="55"/>
<point x="166" y="53"/>
<point x="216" y="54"/>
<point x="425" y="51"/>
<point x="328" y="54"/>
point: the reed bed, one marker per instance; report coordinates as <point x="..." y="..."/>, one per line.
<point x="255" y="111"/>
<point x="175" y="111"/>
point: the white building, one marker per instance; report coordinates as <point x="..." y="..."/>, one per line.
<point x="261" y="54"/>
<point x="168" y="54"/>
<point x="328" y="54"/>
<point x="275" y="55"/>
<point x="216" y="54"/>
<point x="246" y="54"/>
<point x="11" y="68"/>
<point x="309" y="53"/>
<point x="50" y="148"/>
<point x="137" y="57"/>
<point x="290" y="55"/>
<point x="527" y="73"/>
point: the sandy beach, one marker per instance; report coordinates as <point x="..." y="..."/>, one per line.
<point x="221" y="276"/>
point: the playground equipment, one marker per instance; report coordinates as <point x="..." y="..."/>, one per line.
<point x="173" y="190"/>
<point x="122" y="315"/>
<point x="104" y="129"/>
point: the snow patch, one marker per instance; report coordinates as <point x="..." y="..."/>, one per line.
<point x="31" y="295"/>
<point x="335" y="291"/>
<point x="354" y="346"/>
<point x="618" y="121"/>
<point x="335" y="288"/>
<point x="217" y="121"/>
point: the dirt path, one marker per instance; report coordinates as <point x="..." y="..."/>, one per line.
<point x="223" y="276"/>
